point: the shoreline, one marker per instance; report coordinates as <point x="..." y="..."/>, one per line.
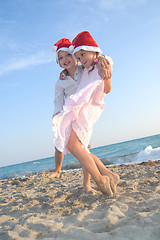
<point x="65" y="169"/>
<point x="36" y="207"/>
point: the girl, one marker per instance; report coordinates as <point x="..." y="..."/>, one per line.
<point x="74" y="124"/>
<point x="65" y="88"/>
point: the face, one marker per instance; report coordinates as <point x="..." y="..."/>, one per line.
<point x="66" y="60"/>
<point x="85" y="57"/>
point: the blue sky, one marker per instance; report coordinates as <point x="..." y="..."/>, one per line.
<point x="126" y="30"/>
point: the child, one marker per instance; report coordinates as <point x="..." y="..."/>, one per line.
<point x="64" y="88"/>
<point x="68" y="86"/>
<point x="80" y="116"/>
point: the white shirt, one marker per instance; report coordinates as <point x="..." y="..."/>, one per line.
<point x="65" y="88"/>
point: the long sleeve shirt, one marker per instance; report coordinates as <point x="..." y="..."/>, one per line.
<point x="65" y="88"/>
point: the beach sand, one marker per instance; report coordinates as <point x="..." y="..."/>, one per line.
<point x="36" y="207"/>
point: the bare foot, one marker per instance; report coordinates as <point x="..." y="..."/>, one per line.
<point x="88" y="189"/>
<point x="54" y="175"/>
<point x="105" y="186"/>
<point x="114" y="180"/>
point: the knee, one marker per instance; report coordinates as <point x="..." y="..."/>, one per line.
<point x="57" y="152"/>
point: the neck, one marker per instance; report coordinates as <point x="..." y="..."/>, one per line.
<point x="71" y="71"/>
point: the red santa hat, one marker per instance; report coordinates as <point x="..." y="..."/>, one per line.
<point x="63" y="45"/>
<point x="84" y="41"/>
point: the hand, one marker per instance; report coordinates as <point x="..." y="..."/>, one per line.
<point x="104" y="68"/>
<point x="63" y="74"/>
<point x="55" y="114"/>
<point x="104" y="74"/>
<point x="103" y="62"/>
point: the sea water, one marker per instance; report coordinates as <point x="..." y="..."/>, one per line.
<point x="129" y="152"/>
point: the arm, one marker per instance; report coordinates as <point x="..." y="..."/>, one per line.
<point x="58" y="99"/>
<point x="63" y="74"/>
<point x="104" y="66"/>
<point x="107" y="85"/>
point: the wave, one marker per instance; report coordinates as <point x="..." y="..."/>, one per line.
<point x="148" y="154"/>
<point x="145" y="155"/>
<point x="19" y="170"/>
<point x="72" y="165"/>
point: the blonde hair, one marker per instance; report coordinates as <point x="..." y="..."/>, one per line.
<point x="93" y="67"/>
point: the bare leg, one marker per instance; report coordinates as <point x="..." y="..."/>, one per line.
<point x="86" y="181"/>
<point x="87" y="162"/>
<point x="114" y="178"/>
<point x="58" y="164"/>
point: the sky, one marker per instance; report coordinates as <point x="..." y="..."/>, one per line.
<point x="126" y="30"/>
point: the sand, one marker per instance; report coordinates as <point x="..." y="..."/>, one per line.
<point x="36" y="207"/>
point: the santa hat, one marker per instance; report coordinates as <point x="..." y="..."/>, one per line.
<point x="84" y="41"/>
<point x="63" y="45"/>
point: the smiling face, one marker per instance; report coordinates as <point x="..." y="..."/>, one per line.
<point x="66" y="60"/>
<point x="85" y="57"/>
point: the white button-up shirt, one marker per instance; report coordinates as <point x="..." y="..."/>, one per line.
<point x="65" y="88"/>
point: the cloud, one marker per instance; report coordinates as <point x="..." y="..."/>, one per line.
<point x="8" y="21"/>
<point x="114" y="5"/>
<point x="23" y="63"/>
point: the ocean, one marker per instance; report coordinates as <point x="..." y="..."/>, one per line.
<point x="129" y="152"/>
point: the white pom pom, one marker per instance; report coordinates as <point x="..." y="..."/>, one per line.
<point x="71" y="48"/>
<point x="54" y="49"/>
